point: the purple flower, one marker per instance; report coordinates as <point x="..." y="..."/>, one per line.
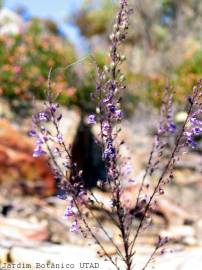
<point x="193" y="128"/>
<point x="109" y="152"/>
<point x="53" y="107"/>
<point x="112" y="107"/>
<point x="107" y="99"/>
<point x="197" y="131"/>
<point x="119" y="114"/>
<point x="62" y="196"/>
<point x="43" y="116"/>
<point x="123" y="2"/>
<point x="38" y="151"/>
<point x="92" y="119"/>
<point x="74" y="226"/>
<point x="43" y="129"/>
<point x="69" y="212"/>
<point x="60" y="138"/>
<point x="39" y="141"/>
<point x="172" y="128"/>
<point x="105" y="126"/>
<point x="132" y="181"/>
<point x="196" y="122"/>
<point x="32" y="133"/>
<point x="56" y="152"/>
<point x="191" y="142"/>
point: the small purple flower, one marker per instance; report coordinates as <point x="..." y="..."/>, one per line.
<point x="32" y="133"/>
<point x="109" y="152"/>
<point x="43" y="116"/>
<point x="39" y="141"/>
<point x="92" y="119"/>
<point x="60" y="138"/>
<point x="107" y="99"/>
<point x="195" y="121"/>
<point x="172" y="128"/>
<point x="38" y="151"/>
<point x="53" y="108"/>
<point x="105" y="126"/>
<point x="56" y="152"/>
<point x="132" y="181"/>
<point x="197" y="131"/>
<point x="112" y="107"/>
<point x="69" y="212"/>
<point x="119" y="114"/>
<point x="123" y="2"/>
<point x="193" y="128"/>
<point x="74" y="226"/>
<point x="190" y="139"/>
<point x="43" y="129"/>
<point x="191" y="142"/>
<point x="62" y="196"/>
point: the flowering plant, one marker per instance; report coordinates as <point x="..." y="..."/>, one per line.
<point x="110" y="84"/>
<point x="25" y="59"/>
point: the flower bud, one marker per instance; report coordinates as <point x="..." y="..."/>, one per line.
<point x="123" y="58"/>
<point x="112" y="65"/>
<point x="116" y="91"/>
<point x="116" y="27"/>
<point x="118" y="34"/>
<point x="98" y="110"/>
<point x="106" y="68"/>
<point x="112" y="36"/>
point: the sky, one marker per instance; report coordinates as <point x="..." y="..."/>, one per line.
<point x="56" y="10"/>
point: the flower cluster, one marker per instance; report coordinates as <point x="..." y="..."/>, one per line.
<point x="40" y="130"/>
<point x="50" y="141"/>
<point x="193" y="126"/>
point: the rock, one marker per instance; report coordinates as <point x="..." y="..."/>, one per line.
<point x="17" y="163"/>
<point x="180" y="233"/>
<point x="23" y="230"/>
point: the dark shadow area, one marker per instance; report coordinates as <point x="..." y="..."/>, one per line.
<point x="87" y="154"/>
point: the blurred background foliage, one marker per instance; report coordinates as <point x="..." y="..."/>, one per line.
<point x="164" y="42"/>
<point x="26" y="58"/>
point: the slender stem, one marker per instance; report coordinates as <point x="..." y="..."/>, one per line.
<point x="93" y="235"/>
<point x="151" y="257"/>
<point x="128" y="257"/>
<point x="106" y="234"/>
